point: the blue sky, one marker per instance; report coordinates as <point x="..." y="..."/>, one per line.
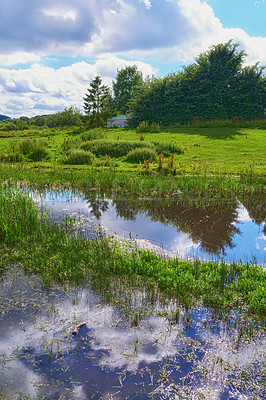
<point x="49" y="51"/>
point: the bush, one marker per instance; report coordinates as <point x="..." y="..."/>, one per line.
<point x="112" y="148"/>
<point x="68" y="117"/>
<point x="144" y="126"/>
<point x="70" y="144"/>
<point x="11" y="157"/>
<point x="141" y="154"/>
<point x="33" y="150"/>
<point x="79" y="157"/>
<point x="93" y="135"/>
<point x="168" y="148"/>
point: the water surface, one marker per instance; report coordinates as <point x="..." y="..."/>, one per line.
<point x="164" y="352"/>
<point x="228" y="231"/>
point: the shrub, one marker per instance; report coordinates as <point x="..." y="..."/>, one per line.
<point x="141" y="154"/>
<point x="168" y="148"/>
<point x="70" y="145"/>
<point x="112" y="148"/>
<point x="70" y="116"/>
<point x="79" y="157"/>
<point x="11" y="157"/>
<point x="33" y="150"/>
<point x="144" y="126"/>
<point x="93" y="134"/>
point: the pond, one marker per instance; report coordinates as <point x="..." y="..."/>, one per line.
<point x="134" y="345"/>
<point x="231" y="231"/>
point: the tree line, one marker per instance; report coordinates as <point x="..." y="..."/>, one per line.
<point x="217" y="85"/>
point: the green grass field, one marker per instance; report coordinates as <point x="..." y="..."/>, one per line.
<point x="211" y="149"/>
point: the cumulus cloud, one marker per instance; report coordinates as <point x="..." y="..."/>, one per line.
<point x="40" y="89"/>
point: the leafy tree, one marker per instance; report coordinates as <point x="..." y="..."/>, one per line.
<point x="128" y="80"/>
<point x="70" y="116"/>
<point x="215" y="86"/>
<point x="98" y="103"/>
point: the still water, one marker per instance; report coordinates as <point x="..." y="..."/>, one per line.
<point x="231" y="231"/>
<point x="165" y="352"/>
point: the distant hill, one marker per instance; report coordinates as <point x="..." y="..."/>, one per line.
<point x="2" y="117"/>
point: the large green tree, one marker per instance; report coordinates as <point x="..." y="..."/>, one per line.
<point x="98" y="103"/>
<point x="215" y="86"/>
<point x="127" y="82"/>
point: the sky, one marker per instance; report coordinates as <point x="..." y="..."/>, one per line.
<point x="50" y="50"/>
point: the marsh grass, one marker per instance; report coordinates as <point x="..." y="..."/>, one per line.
<point x="141" y="154"/>
<point x="118" y="148"/>
<point x="79" y="157"/>
<point x="33" y="150"/>
<point x="200" y="186"/>
<point x="40" y="246"/>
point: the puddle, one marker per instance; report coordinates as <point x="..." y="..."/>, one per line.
<point x="133" y="346"/>
<point x="230" y="232"/>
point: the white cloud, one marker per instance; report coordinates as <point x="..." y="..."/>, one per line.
<point x="40" y="89"/>
<point x="20" y="57"/>
<point x="210" y="31"/>
<point x="60" y="13"/>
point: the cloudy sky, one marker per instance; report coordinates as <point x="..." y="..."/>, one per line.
<point x="51" y="49"/>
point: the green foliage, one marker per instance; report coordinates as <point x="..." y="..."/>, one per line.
<point x="11" y="157"/>
<point x="141" y="154"/>
<point x="33" y="150"/>
<point x="68" y="117"/>
<point x="110" y="148"/>
<point x="215" y="86"/>
<point x="168" y="148"/>
<point x="98" y="103"/>
<point x="145" y="126"/>
<point x="79" y="157"/>
<point x="128" y="82"/>
<point x="93" y="134"/>
<point x="18" y="216"/>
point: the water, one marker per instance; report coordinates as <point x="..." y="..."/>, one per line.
<point x="166" y="352"/>
<point x="135" y="344"/>
<point x="231" y="232"/>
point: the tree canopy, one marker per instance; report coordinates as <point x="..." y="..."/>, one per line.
<point x="125" y="86"/>
<point x="215" y="86"/>
<point x="98" y="103"/>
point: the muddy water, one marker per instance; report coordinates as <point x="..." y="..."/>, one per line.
<point x="133" y="346"/>
<point x="232" y="231"/>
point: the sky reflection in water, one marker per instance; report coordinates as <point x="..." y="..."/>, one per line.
<point x="207" y="234"/>
<point x="110" y="355"/>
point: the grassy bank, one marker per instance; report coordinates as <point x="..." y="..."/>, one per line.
<point x="42" y="247"/>
<point x="210" y="188"/>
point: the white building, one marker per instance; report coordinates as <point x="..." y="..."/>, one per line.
<point x="121" y="121"/>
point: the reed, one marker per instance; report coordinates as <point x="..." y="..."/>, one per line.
<point x="155" y="183"/>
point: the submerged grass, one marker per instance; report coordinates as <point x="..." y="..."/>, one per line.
<point x="29" y="238"/>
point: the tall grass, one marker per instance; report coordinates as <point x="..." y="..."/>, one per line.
<point x="217" y="186"/>
<point x="118" y="148"/>
<point x="79" y="157"/>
